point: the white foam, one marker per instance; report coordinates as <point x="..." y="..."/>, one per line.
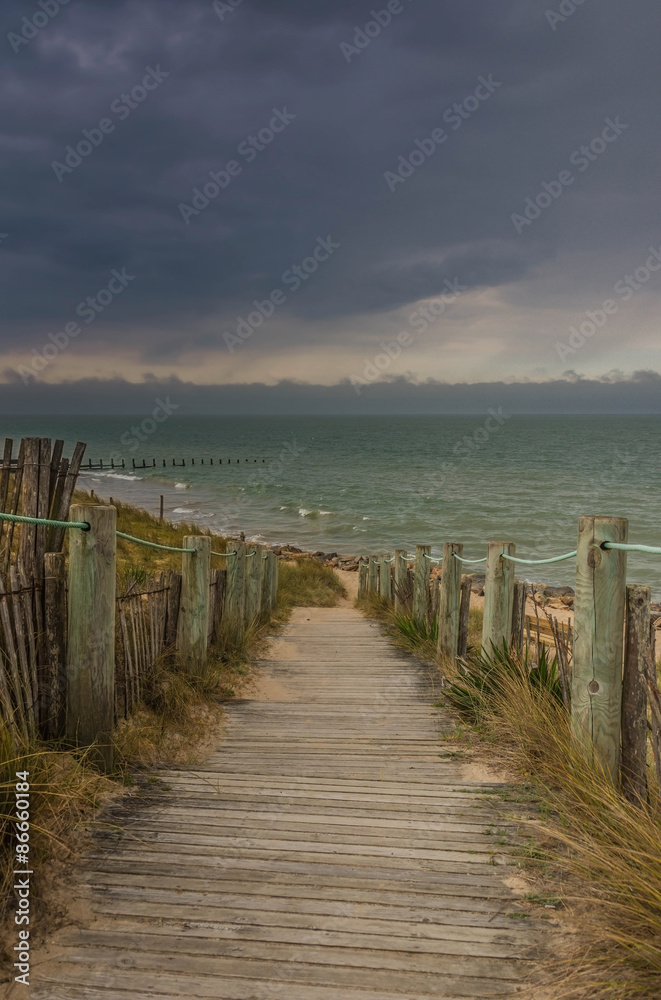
<point x="182" y="510"/>
<point x="181" y="486"/>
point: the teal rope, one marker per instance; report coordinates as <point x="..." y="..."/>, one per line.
<point x="431" y="558"/>
<point x="541" y="562"/>
<point x="23" y="519"/>
<point x="461" y="559"/>
<point x="223" y="554"/>
<point x="621" y="547"/>
<point x="152" y="545"/>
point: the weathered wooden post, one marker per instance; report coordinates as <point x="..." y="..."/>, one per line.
<point x="421" y="584"/>
<point x="401" y="581"/>
<point x="55" y="641"/>
<point x="267" y="582"/>
<point x="450" y="601"/>
<point x="363" y="583"/>
<point x="637" y="657"/>
<point x="464" y="613"/>
<point x="235" y="594"/>
<point x="193" y="625"/>
<point x="254" y="576"/>
<point x="385" y="578"/>
<point x="90" y="716"/>
<point x="596" y="701"/>
<point x="498" y="595"/>
<point x="373" y="575"/>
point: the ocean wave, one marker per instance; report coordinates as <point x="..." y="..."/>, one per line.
<point x="181" y="486"/>
<point x="325" y="513"/>
<point x="183" y="510"/>
<point x="117" y="475"/>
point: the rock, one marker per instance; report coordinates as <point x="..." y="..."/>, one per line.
<point x="477" y="584"/>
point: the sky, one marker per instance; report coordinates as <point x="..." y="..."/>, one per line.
<point x="330" y="203"/>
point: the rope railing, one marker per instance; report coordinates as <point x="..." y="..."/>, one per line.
<point x="431" y="558"/>
<point x="462" y="560"/>
<point x="542" y="562"/>
<point x="46" y="522"/>
<point x="222" y="555"/>
<point x="151" y="545"/>
<point x="623" y="547"/>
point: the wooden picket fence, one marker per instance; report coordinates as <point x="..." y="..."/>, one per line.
<point x="38" y="482"/>
<point x="74" y="656"/>
<point x="606" y="657"/>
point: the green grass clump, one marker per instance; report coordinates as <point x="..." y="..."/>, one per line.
<point x="307" y="583"/>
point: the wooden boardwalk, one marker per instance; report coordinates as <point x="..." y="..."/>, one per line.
<point x="330" y="849"/>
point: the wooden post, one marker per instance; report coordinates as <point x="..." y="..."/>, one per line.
<point x="254" y="576"/>
<point x="55" y="620"/>
<point x="596" y="701"/>
<point x="193" y="625"/>
<point x="363" y="572"/>
<point x="91" y="631"/>
<point x="385" y="578"/>
<point x="235" y="595"/>
<point x="421" y="584"/>
<point x="270" y="567"/>
<point x="450" y="601"/>
<point x="464" y="612"/>
<point x="498" y="595"/>
<point x="373" y="575"/>
<point x="401" y="581"/>
<point x="161" y="511"/>
<point x="519" y="616"/>
<point x="638" y="655"/>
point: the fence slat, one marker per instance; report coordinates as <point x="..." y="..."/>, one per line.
<point x="633" y="767"/>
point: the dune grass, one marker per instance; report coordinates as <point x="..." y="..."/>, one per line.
<point x="307" y="583"/>
<point x="602" y="854"/>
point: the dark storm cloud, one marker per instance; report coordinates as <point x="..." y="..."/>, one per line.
<point x="324" y="173"/>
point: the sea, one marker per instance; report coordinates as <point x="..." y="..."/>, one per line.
<point x="363" y="485"/>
